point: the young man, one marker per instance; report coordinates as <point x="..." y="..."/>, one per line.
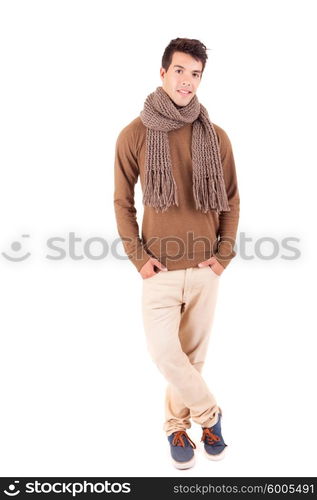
<point x="191" y="211"/>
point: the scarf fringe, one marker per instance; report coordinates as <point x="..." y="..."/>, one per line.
<point x="160" y="190"/>
<point x="207" y="197"/>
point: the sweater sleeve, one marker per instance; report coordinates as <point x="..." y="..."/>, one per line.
<point x="228" y="221"/>
<point x="126" y="172"/>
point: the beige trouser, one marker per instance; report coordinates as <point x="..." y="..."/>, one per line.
<point x="178" y="309"/>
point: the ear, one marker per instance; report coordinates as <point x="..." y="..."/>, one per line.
<point x="162" y="73"/>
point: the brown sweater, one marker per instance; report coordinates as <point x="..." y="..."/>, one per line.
<point x="182" y="236"/>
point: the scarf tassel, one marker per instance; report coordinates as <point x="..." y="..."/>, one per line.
<point x="160" y="190"/>
<point x="206" y="195"/>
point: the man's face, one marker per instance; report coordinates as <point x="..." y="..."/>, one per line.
<point x="182" y="78"/>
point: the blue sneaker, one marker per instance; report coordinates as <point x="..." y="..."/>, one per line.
<point x="182" y="450"/>
<point x="214" y="445"/>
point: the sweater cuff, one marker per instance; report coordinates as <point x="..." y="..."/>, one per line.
<point x="225" y="253"/>
<point x="139" y="258"/>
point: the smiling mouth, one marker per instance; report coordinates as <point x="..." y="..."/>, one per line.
<point x="184" y="92"/>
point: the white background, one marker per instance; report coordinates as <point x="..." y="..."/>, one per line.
<point x="80" y="395"/>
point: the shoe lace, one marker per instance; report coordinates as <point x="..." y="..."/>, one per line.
<point x="178" y="439"/>
<point x="209" y="436"/>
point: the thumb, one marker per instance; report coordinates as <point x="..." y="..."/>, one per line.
<point x="159" y="265"/>
<point x="205" y="263"/>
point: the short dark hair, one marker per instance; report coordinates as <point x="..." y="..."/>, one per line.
<point x="190" y="46"/>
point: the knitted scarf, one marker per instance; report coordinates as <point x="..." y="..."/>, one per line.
<point x="160" y="115"/>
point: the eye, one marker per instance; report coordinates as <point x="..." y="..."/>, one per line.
<point x="178" y="70"/>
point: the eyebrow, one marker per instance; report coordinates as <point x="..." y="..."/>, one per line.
<point x="182" y="67"/>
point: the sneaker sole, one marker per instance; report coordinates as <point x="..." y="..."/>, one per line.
<point x="184" y="465"/>
<point x="220" y="456"/>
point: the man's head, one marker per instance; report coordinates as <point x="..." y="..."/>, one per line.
<point x="183" y="63"/>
